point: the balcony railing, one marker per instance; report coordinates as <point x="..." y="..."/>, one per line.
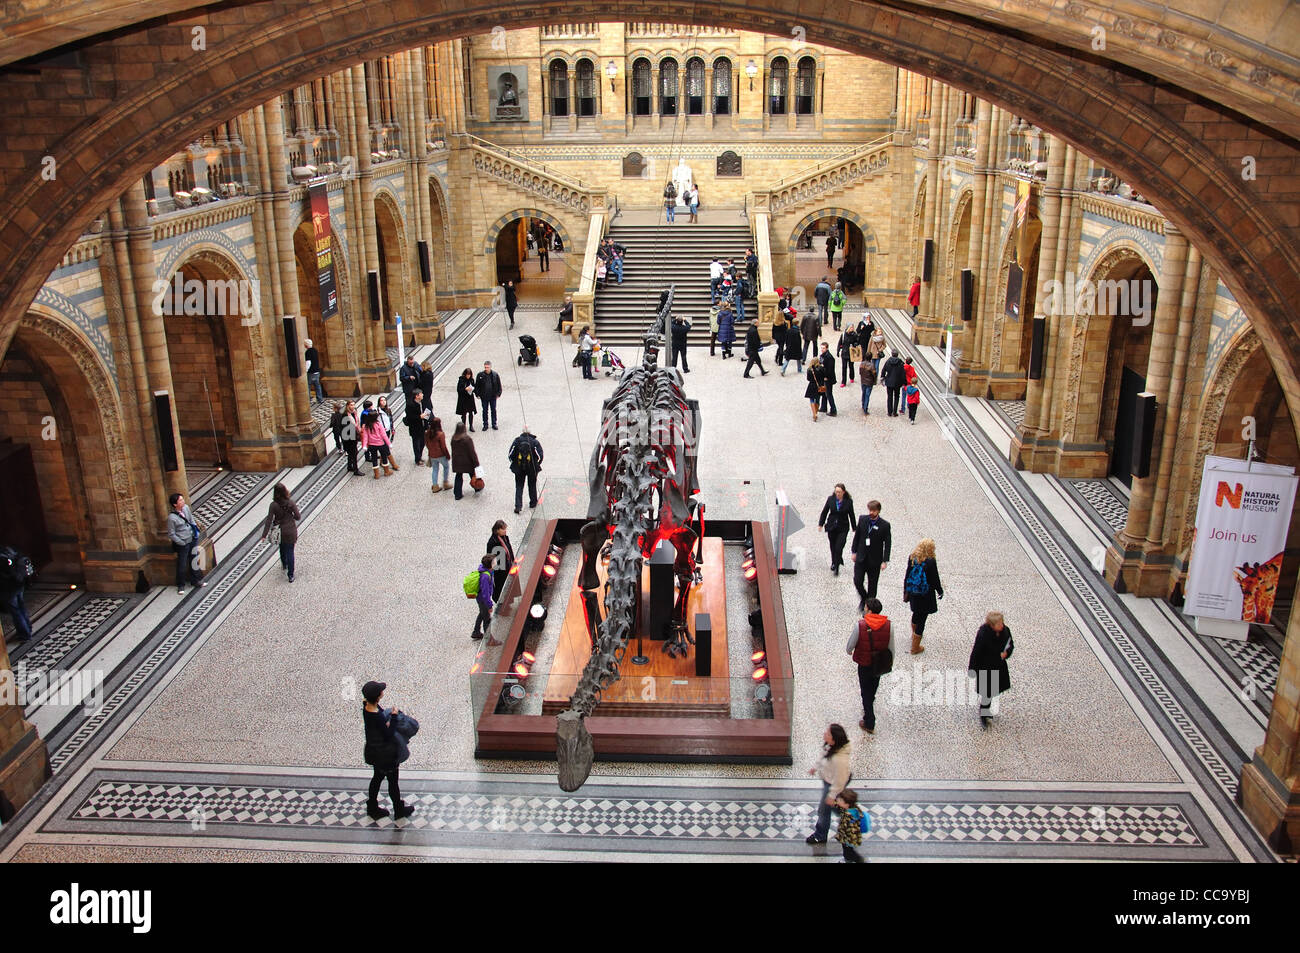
<point x="567" y="31"/>
<point x="676" y="29"/>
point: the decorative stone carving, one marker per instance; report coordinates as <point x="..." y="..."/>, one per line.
<point x="634" y="166"/>
<point x="817" y="183"/>
<point x="1261" y="76"/>
<point x="545" y="187"/>
<point x="729" y="165"/>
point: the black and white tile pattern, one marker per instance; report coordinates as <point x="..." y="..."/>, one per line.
<point x="688" y="817"/>
<point x="227" y="496"/>
<point x="1013" y="411"/>
<point x="1101" y="498"/>
<point x="55" y="647"/>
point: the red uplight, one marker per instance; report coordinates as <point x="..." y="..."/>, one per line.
<point x="514" y="570"/>
<point x="553" y="559"/>
<point x="759" y="674"/>
<point x="475" y="668"/>
<point x="549" y="570"/>
<point x="529" y="657"/>
<point x="746" y="564"/>
<point x="521" y="670"/>
<point x="758" y="656"/>
<point x="751" y="573"/>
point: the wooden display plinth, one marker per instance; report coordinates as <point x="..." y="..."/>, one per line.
<point x="679" y="722"/>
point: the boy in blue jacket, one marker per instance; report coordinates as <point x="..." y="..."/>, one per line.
<point x="484" y="598"/>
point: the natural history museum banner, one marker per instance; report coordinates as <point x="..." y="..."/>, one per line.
<point x="1241" y="530"/>
<point x="320" y="226"/>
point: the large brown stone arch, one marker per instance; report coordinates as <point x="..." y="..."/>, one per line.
<point x="1169" y="143"/>
<point x="394" y="270"/>
<point x="957" y="257"/>
<point x="440" y="257"/>
<point x="335" y="337"/>
<point x="86" y="485"/>
<point x="238" y="426"/>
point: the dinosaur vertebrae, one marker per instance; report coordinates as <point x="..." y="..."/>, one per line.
<point x="630" y="514"/>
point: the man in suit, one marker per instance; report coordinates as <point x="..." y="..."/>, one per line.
<point x="871" y="544"/>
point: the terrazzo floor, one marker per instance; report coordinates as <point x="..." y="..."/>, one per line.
<point x="377" y="595"/>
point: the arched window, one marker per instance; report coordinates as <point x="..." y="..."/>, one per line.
<point x="641" y="88"/>
<point x="695" y="87"/>
<point x="668" y="88"/>
<point x="778" y="86"/>
<point x="586" y="94"/>
<point x="559" y="88"/>
<point x="805" y="86"/>
<point x="722" y="86"/>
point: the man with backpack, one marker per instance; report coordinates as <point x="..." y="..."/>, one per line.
<point x="15" y="570"/>
<point x="478" y="586"/>
<point x="836" y="304"/>
<point x="822" y="293"/>
<point x="525" y="463"/>
<point x="872" y="648"/>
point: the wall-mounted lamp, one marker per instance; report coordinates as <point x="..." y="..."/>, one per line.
<point x="611" y="70"/>
<point x="751" y="70"/>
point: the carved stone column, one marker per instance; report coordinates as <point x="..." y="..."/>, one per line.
<point x="972" y="368"/>
<point x="1133" y="563"/>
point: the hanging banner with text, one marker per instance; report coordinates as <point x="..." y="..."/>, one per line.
<point x="320" y="226"/>
<point x="1241" y="529"/>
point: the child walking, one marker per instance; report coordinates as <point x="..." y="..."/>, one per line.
<point x="852" y="822"/>
<point x="913" y="395"/>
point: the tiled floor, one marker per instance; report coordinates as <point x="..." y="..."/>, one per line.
<point x="1100" y="751"/>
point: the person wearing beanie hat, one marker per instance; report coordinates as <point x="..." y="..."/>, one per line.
<point x="381" y="752"/>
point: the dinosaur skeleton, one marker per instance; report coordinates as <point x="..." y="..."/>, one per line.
<point x="643" y="478"/>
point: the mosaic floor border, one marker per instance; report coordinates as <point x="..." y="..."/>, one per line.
<point x="689" y="817"/>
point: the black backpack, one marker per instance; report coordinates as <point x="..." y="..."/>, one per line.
<point x="15" y="568"/>
<point x="522" y="456"/>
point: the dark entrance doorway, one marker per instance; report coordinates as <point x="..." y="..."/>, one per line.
<point x="1121" y="459"/>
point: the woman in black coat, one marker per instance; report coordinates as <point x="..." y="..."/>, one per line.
<point x="465" y="405"/>
<point x="498" y="545"/>
<point x="837" y="519"/>
<point x="922" y="599"/>
<point x="848" y="341"/>
<point x="816" y="384"/>
<point x="988" y="663"/>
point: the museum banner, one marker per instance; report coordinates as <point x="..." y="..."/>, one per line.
<point x="1241" y="529"/>
<point x="320" y="224"/>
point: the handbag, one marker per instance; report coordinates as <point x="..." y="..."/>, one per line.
<point x="821" y="388"/>
<point x="476" y="481"/>
<point x="405" y="725"/>
<point x="273" y="535"/>
<point x="855" y="354"/>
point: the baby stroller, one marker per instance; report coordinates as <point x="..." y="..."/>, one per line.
<point x="610" y="361"/>
<point x="528" y="351"/>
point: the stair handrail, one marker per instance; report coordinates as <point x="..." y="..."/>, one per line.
<point x="524" y="160"/>
<point x="836" y="159"/>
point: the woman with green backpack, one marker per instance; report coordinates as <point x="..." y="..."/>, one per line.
<point x="921" y="586"/>
<point x="836" y="305"/>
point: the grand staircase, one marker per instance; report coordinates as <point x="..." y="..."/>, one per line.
<point x="660" y="255"/>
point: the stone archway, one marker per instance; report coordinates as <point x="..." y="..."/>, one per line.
<point x="858" y="251"/>
<point x="440" y="251"/>
<point x="394" y="271"/>
<point x="218" y="349"/>
<point x="957" y="256"/>
<point x="334" y="337"/>
<point x="80" y="466"/>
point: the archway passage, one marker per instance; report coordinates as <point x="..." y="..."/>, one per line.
<point x="208" y="349"/>
<point x="328" y="335"/>
<point x="58" y="468"/>
<point x="393" y="273"/>
<point x="1124" y="322"/>
<point x="848" y="264"/>
<point x="517" y="252"/>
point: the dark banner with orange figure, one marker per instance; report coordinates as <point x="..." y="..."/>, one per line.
<point x="320" y="225"/>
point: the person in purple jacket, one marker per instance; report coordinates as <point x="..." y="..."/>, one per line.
<point x="484" y="599"/>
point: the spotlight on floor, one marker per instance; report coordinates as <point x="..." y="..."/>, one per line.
<point x="536" y="616"/>
<point x="758" y="657"/>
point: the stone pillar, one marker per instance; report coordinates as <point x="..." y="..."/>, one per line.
<point x="24" y="762"/>
<point x="925" y="327"/>
<point x="153" y="333"/>
<point x="307" y="443"/>
<point x="432" y="324"/>
<point x="1270" y="783"/>
<point x="972" y="369"/>
<point x="376" y="375"/>
<point x="1037" y="424"/>
<point x="1132" y="563"/>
